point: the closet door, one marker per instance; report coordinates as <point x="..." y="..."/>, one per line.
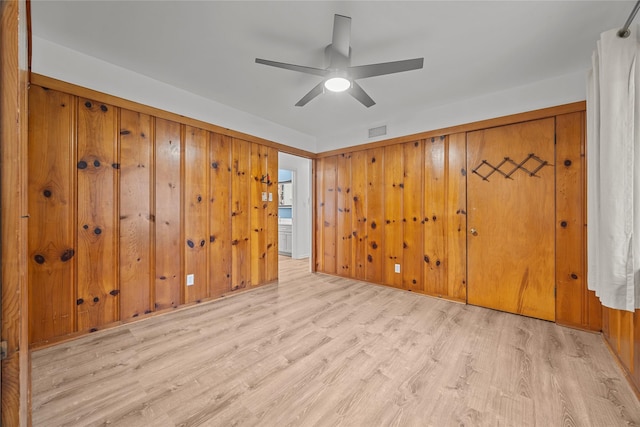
<point x="510" y="200"/>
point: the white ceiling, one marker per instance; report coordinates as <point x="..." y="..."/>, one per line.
<point x="470" y="48"/>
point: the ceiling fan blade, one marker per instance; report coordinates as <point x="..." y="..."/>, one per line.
<point x="292" y="67"/>
<point x="318" y="90"/>
<point x="358" y="93"/>
<point x="341" y="34"/>
<point x="372" y="70"/>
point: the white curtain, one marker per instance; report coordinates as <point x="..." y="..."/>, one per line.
<point x="613" y="171"/>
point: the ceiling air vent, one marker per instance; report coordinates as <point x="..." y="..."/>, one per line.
<point x="379" y="131"/>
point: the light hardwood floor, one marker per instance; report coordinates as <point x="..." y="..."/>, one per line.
<point x="321" y="350"/>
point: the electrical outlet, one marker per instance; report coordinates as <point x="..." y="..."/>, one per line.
<point x="264" y="196"/>
<point x="190" y="279"/>
<point x="271" y="197"/>
<point x="397" y="268"/>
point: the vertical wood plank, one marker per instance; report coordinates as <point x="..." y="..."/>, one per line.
<point x="570" y="279"/>
<point x="51" y="234"/>
<point x="240" y="214"/>
<point x="375" y="215"/>
<point x="168" y="241"/>
<point x="625" y="338"/>
<point x="220" y="217"/>
<point x="136" y="216"/>
<point x="318" y="172"/>
<point x="393" y="204"/>
<point x="412" y="220"/>
<point x="258" y="215"/>
<point x="343" y="215"/>
<point x="329" y="208"/>
<point x="196" y="213"/>
<point x="359" y="213"/>
<point x="594" y="306"/>
<point x="636" y="348"/>
<point x="97" y="293"/>
<point x="434" y="217"/>
<point x="272" y="215"/>
<point x="456" y="217"/>
<point x="14" y="107"/>
<point x="575" y="304"/>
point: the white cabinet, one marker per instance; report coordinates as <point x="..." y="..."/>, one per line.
<point x="284" y="240"/>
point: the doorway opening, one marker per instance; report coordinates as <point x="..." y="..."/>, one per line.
<point x="294" y="209"/>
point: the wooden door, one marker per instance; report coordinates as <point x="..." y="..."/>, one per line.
<point x="510" y="200"/>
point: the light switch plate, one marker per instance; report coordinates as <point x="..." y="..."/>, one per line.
<point x="190" y="279"/>
<point x="271" y="197"/>
<point x="397" y="268"/>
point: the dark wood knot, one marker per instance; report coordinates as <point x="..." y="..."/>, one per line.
<point x="67" y="255"/>
<point x="190" y="243"/>
<point x="82" y="164"/>
<point x="47" y="193"/>
<point x="96" y="299"/>
<point x="96" y="163"/>
<point x="567" y="163"/>
<point x="104" y="108"/>
<point x="79" y="301"/>
<point x="88" y="104"/>
<point x="39" y="259"/>
<point x="563" y="224"/>
<point x="114" y="292"/>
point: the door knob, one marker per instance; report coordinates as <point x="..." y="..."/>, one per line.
<point x="473" y="232"/>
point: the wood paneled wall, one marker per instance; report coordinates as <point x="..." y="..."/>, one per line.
<point x="399" y="204"/>
<point x="404" y="202"/>
<point x="124" y="205"/>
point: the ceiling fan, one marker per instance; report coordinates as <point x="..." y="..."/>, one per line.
<point x="340" y="76"/>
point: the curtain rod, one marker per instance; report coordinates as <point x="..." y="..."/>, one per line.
<point x="624" y="31"/>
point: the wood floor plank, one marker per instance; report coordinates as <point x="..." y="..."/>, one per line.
<point x="321" y="350"/>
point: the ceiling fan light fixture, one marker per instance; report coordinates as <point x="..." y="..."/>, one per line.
<point x="337" y="84"/>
